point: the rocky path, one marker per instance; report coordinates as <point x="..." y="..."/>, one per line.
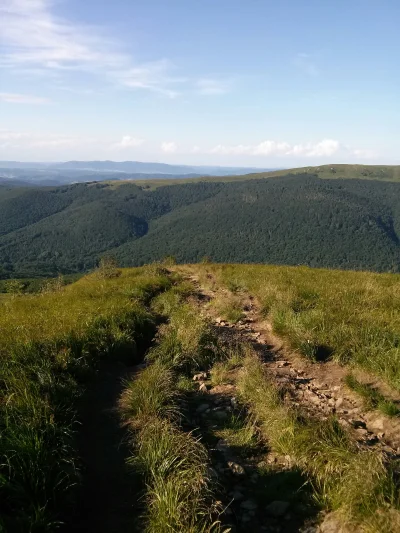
<point x="317" y="387"/>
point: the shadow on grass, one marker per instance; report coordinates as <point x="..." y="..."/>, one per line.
<point x="249" y="477"/>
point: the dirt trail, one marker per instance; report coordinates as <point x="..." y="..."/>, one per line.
<point x="109" y="493"/>
<point x="317" y="387"/>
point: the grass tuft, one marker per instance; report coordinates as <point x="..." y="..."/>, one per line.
<point x="355" y="483"/>
<point x="372" y="398"/>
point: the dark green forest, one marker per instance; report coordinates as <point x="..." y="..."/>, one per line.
<point x="293" y="219"/>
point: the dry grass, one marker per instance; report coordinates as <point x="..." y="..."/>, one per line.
<point x="354" y="483"/>
<point x="49" y="345"/>
<point x="350" y="316"/>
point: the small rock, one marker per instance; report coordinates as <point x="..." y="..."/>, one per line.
<point x="282" y="363"/>
<point x="338" y="403"/>
<point x="222" y="446"/>
<point x="199" y="377"/>
<point x="202" y="408"/>
<point x="277" y="508"/>
<point x="236" y="468"/>
<point x="359" y="424"/>
<point x="249" y="505"/>
<point x="220" y="415"/>
<point x="378" y="424"/>
<point x="381" y="435"/>
<point x="218" y="320"/>
<point x="203" y="387"/>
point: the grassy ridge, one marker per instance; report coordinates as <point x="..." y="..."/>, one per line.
<point x="49" y="346"/>
<point x="351" y="316"/>
<point x="354" y="483"/>
<point x="173" y="462"/>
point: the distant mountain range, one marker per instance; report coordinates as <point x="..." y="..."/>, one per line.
<point x="83" y="171"/>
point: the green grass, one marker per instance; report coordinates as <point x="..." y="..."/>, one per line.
<point x="174" y="463"/>
<point x="372" y="398"/>
<point x="349" y="316"/>
<point x="50" y="345"/>
<point x="186" y="342"/>
<point x="240" y="434"/>
<point x="354" y="483"/>
<point x="229" y="307"/>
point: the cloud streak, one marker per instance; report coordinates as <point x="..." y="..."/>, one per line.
<point x="34" y="40"/>
<point x="209" y="86"/>
<point x="13" y="98"/>
<point x="169" y="147"/>
<point x="324" y="148"/>
<point x="128" y="141"/>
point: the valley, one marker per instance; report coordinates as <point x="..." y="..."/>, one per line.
<point x="293" y="219"/>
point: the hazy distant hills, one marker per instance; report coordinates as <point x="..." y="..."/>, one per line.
<point x="297" y="218"/>
<point x="83" y="171"/>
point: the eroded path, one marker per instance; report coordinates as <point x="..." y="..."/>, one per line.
<point x="108" y="498"/>
<point x="317" y="387"/>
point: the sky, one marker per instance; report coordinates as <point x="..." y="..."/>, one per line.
<point x="255" y="83"/>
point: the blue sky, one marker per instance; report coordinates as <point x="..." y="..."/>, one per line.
<point x="239" y="82"/>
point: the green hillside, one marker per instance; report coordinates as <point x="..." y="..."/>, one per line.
<point x="291" y="219"/>
<point x="371" y="172"/>
<point x="202" y="399"/>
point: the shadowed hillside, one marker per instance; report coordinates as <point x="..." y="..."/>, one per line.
<point x="291" y="220"/>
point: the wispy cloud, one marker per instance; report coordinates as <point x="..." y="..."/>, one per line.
<point x="209" y="86"/>
<point x="155" y="76"/>
<point x="13" y="98"/>
<point x="324" y="148"/>
<point x="128" y="141"/>
<point x="169" y="147"/>
<point x="365" y="154"/>
<point x="306" y="63"/>
<point x="34" y="40"/>
<point x="23" y="140"/>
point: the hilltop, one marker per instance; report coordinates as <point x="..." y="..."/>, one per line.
<point x="201" y="398"/>
<point x="291" y="219"/>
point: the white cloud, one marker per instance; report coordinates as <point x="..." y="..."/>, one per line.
<point x="128" y="142"/>
<point x="27" y="140"/>
<point x="13" y="98"/>
<point x="365" y="154"/>
<point x="152" y="76"/>
<point x="169" y="147"/>
<point x="324" y="148"/>
<point x="209" y="86"/>
<point x="35" y="41"/>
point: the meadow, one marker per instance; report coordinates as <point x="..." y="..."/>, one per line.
<point x="50" y="347"/>
<point x="352" y="317"/>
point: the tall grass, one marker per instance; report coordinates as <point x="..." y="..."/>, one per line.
<point x="350" y="316"/>
<point x="187" y="342"/>
<point x="174" y="463"/>
<point x="354" y="483"/>
<point x="49" y="345"/>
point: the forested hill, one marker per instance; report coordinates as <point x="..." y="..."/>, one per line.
<point x="293" y="219"/>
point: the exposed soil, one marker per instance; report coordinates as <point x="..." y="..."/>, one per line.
<point x="109" y="494"/>
<point x="317" y="387"/>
